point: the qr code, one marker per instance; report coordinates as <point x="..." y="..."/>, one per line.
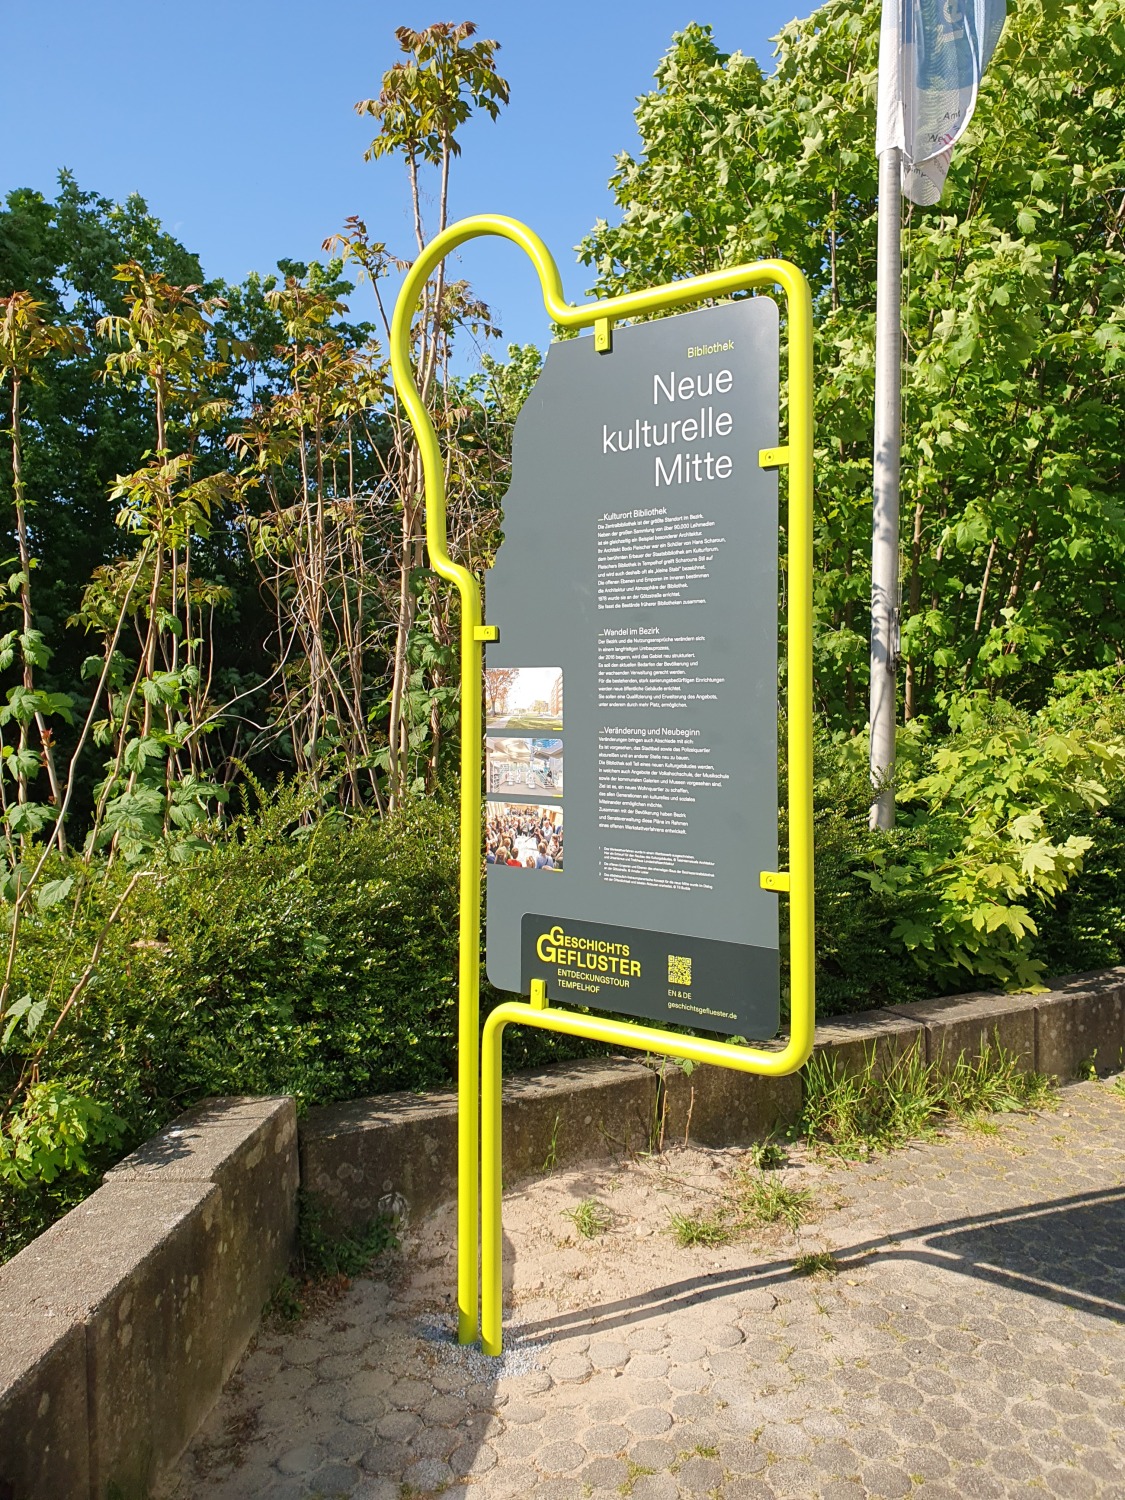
<point x="679" y="970"/>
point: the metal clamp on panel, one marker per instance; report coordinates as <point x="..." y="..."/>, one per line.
<point x="538" y="994"/>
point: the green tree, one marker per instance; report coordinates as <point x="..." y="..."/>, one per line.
<point x="424" y="101"/>
<point x="314" y="449"/>
<point x="26" y="339"/>
<point x="159" y="708"/>
<point x="1014" y="546"/>
<point x="79" y="432"/>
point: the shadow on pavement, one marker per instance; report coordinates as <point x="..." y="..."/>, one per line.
<point x="1070" y="1251"/>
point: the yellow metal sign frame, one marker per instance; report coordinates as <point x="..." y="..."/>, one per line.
<point x="479" y="1072"/>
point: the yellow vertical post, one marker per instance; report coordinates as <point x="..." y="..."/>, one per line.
<point x="799" y="647"/>
<point x="468" y="964"/>
<point x="492" y="1187"/>
<point x="468" y="983"/>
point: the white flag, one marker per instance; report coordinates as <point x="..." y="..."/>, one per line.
<point x="932" y="56"/>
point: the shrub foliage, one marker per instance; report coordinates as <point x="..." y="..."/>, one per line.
<point x="319" y="959"/>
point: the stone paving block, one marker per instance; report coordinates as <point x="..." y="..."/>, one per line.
<point x="44" y="1436"/>
<point x="718" y="1107"/>
<point x="868" y="1040"/>
<point x="700" y="1476"/>
<point x="655" y="1487"/>
<point x="1083" y="1018"/>
<point x="970" y="1023"/>
<point x="248" y="1148"/>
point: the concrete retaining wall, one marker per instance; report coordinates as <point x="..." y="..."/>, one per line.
<point x="401" y="1149"/>
<point x="398" y="1152"/>
<point x="119" y="1325"/>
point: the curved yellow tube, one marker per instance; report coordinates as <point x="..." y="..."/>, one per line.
<point x="799" y="748"/>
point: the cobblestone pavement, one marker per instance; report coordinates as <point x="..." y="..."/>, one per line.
<point x="970" y="1342"/>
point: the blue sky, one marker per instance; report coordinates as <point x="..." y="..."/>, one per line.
<point x="234" y="119"/>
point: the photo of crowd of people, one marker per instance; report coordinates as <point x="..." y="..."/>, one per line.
<point x="524" y="836"/>
<point x="519" y="765"/>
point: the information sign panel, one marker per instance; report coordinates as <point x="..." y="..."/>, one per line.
<point x="631" y="702"/>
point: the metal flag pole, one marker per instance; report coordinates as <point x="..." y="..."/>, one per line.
<point x="930" y="68"/>
<point x="885" y="489"/>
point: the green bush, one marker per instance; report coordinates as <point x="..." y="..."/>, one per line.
<point x="1085" y="927"/>
<point x="316" y="956"/>
<point x="1006" y="862"/>
<point x="858" y="963"/>
<point x="318" y="961"/>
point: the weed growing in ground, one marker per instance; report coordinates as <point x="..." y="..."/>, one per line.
<point x="1119" y="1085"/>
<point x="635" y="1471"/>
<point x="322" y="1255"/>
<point x="550" y="1161"/>
<point x="754" y="1197"/>
<point x="763" y="1198"/>
<point x="590" y="1218"/>
<point x="702" y="1229"/>
<point x="701" y="1450"/>
<point x="854" y="1113"/>
<point x="768" y="1156"/>
<point x="325" y="1262"/>
<point x="816" y="1263"/>
<point x="285" y="1306"/>
<point x="994" y="1081"/>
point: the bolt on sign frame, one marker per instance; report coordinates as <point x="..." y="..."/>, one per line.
<point x="479" y="1088"/>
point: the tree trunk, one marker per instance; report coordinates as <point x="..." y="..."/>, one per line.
<point x="20" y="498"/>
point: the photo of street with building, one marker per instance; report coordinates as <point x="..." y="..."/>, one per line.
<point x="524" y="698"/>
<point x="519" y="765"/>
<point x="524" y="836"/>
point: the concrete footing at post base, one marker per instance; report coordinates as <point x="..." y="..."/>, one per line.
<point x="119" y="1325"/>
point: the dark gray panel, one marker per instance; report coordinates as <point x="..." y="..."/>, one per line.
<point x="640" y="557"/>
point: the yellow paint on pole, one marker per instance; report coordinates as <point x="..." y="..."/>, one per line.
<point x="479" y="1093"/>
